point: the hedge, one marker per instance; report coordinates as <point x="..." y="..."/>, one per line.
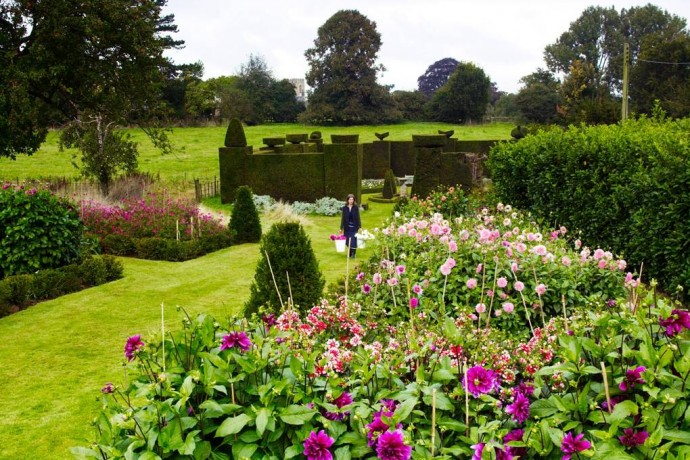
<point x="164" y="248"/>
<point x="626" y="187"/>
<point x="20" y="291"/>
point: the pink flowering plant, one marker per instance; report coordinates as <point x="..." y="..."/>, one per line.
<point x="412" y="362"/>
<point x="155" y="215"/>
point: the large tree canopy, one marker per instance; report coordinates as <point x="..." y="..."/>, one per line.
<point x="464" y="98"/>
<point x="591" y="52"/>
<point x="343" y="73"/>
<point x="436" y="75"/>
<point x="62" y="60"/>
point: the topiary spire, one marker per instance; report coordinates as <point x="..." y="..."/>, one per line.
<point x="234" y="136"/>
<point x="245" y="225"/>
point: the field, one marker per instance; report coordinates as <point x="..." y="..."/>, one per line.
<point x="196" y="149"/>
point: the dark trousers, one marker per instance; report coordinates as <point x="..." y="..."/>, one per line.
<point x="351" y="239"/>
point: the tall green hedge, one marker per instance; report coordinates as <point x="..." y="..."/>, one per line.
<point x="245" y="225"/>
<point x="427" y="171"/>
<point x="626" y="187"/>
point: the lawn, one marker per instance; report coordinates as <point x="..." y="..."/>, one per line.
<point x="196" y="152"/>
<point x="57" y="355"/>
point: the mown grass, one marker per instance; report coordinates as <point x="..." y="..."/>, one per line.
<point x="56" y="355"/>
<point x="196" y="152"/>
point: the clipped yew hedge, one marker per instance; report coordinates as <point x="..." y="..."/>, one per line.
<point x="625" y="186"/>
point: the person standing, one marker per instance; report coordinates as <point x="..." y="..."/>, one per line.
<point x="350" y="223"/>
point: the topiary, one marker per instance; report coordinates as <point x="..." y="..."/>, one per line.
<point x="288" y="249"/>
<point x="245" y="225"/>
<point x="234" y="136"/>
<point x="389" y="185"/>
<point x="37" y="231"/>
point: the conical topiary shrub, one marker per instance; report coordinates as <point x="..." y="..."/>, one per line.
<point x="245" y="226"/>
<point x="289" y="251"/>
<point x="234" y="136"/>
<point x="389" y="185"/>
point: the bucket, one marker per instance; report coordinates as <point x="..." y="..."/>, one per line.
<point x="340" y="245"/>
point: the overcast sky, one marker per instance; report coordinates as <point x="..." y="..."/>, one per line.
<point x="506" y="38"/>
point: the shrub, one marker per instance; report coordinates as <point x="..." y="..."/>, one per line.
<point x="263" y="202"/>
<point x="624" y="186"/>
<point x="287" y="248"/>
<point x="37" y="231"/>
<point x="448" y="201"/>
<point x="299" y="207"/>
<point x="245" y="226"/>
<point x="328" y="206"/>
<point x="119" y="245"/>
<point x="389" y="185"/>
<point x="234" y="136"/>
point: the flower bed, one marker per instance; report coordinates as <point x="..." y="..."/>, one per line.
<point x="417" y="362"/>
<point x="155" y="227"/>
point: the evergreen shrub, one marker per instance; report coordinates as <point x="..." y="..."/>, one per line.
<point x="287" y="248"/>
<point x="234" y="136"/>
<point x="389" y="185"/>
<point x="245" y="226"/>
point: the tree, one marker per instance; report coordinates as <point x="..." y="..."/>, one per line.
<point x="78" y="62"/>
<point x="245" y="225"/>
<point x="255" y="80"/>
<point x="464" y="98"/>
<point x="285" y="252"/>
<point x="410" y="104"/>
<point x="538" y="100"/>
<point x="178" y="80"/>
<point x="659" y="74"/>
<point x="436" y="75"/>
<point x="343" y="73"/>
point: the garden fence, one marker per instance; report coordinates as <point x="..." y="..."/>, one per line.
<point x="206" y="189"/>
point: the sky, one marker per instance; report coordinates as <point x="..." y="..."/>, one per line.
<point x="506" y="38"/>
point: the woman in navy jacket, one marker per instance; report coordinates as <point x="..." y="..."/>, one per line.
<point x="350" y="223"/>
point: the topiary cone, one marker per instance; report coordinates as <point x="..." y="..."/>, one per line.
<point x="234" y="136"/>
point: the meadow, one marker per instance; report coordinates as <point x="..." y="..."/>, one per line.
<point x="196" y="149"/>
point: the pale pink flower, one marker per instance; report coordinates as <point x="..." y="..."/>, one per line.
<point x="450" y="262"/>
<point x="540" y="250"/>
<point x="502" y="282"/>
<point x="578" y="244"/>
<point x="480" y="267"/>
<point x="541" y="289"/>
<point x="514" y="267"/>
<point x="480" y="308"/>
<point x="602" y="264"/>
<point x="471" y="283"/>
<point x="565" y="260"/>
<point x="622" y="264"/>
<point x="452" y="246"/>
<point x="412" y="233"/>
<point x="402" y="230"/>
<point x="377" y="279"/>
<point x="531" y="237"/>
<point x="598" y="254"/>
<point x="508" y="307"/>
<point x="519" y="286"/>
<point x="521" y="247"/>
<point x="400" y="269"/>
<point x="435" y="229"/>
<point x="392" y="281"/>
<point x="445" y="270"/>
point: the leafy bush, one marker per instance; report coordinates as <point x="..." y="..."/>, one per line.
<point x="299" y="207"/>
<point x="448" y="201"/>
<point x="623" y="186"/>
<point x="19" y="291"/>
<point x="389" y="184"/>
<point x="328" y="206"/>
<point x="245" y="226"/>
<point x="285" y="251"/>
<point x="37" y="231"/>
<point x="263" y="202"/>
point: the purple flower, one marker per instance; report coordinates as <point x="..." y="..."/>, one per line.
<point x="480" y="380"/>
<point x="674" y="324"/>
<point x="269" y="319"/>
<point x="316" y="446"/>
<point x="632" y="378"/>
<point x="236" y="339"/>
<point x="614" y="400"/>
<point x="520" y="408"/>
<point x="515" y="435"/>
<point x="391" y="446"/>
<point x="378" y="426"/>
<point x="134" y="344"/>
<point x="108" y="388"/>
<point x="477" y="448"/>
<point x="366" y="288"/>
<point x="345" y="399"/>
<point x="631" y="438"/>
<point x="573" y="444"/>
<point x="414" y="302"/>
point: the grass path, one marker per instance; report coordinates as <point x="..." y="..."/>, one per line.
<point x="56" y="355"/>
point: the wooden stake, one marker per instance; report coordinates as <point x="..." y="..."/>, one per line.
<point x="467" y="402"/>
<point x="291" y="300"/>
<point x="565" y="316"/>
<point x="606" y="387"/>
<point x="268" y="259"/>
<point x="163" y="333"/>
<point x="433" y="421"/>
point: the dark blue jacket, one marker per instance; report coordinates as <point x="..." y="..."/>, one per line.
<point x="345" y="218"/>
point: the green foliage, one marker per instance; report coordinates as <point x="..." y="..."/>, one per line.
<point x="285" y="252"/>
<point x="343" y="73"/>
<point x="37" y="231"/>
<point x="624" y="187"/>
<point x="19" y="291"/>
<point x="245" y="226"/>
<point x="464" y="98"/>
<point x="436" y="76"/>
<point x="104" y="152"/>
<point x="390" y="183"/>
<point x="164" y="248"/>
<point x="66" y="59"/>
<point x="234" y="136"/>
